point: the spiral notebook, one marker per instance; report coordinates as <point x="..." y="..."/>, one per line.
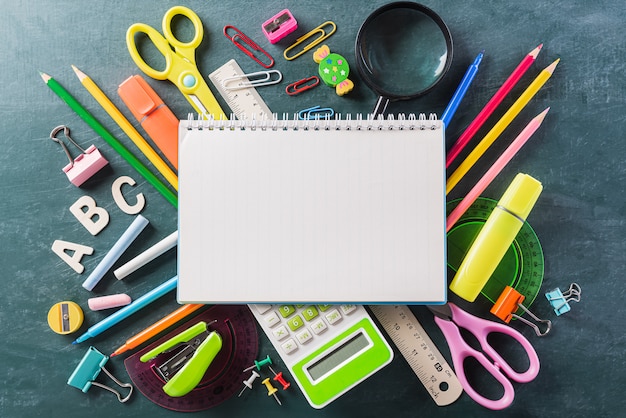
<point x="322" y="211"/>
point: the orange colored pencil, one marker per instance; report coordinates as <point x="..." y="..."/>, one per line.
<point x="156" y="328"/>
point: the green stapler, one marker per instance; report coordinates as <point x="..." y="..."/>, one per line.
<point x="197" y="347"/>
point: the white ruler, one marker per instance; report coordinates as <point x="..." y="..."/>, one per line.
<point x="244" y="102"/>
<point x="420" y="352"/>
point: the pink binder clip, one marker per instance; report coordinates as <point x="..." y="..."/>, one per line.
<point x="279" y="26"/>
<point x="85" y="165"/>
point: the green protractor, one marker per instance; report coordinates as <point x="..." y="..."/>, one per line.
<point x="522" y="266"/>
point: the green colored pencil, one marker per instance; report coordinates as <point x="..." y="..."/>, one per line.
<point x="109" y="138"/>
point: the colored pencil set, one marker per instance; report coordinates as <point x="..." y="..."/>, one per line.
<point x="480" y="149"/>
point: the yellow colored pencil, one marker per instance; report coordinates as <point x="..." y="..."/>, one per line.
<point x="127" y="127"/>
<point x="500" y="126"/>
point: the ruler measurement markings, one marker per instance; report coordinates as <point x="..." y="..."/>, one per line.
<point x="419" y="351"/>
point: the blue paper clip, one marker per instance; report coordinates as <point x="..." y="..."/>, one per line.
<point x="88" y="370"/>
<point x="559" y="300"/>
<point x="316" y="112"/>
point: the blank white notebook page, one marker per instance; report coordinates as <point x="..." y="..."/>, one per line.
<point x="332" y="216"/>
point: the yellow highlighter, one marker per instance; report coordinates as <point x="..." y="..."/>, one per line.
<point x="496" y="236"/>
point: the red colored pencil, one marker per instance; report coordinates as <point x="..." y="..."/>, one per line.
<point x="493" y="103"/>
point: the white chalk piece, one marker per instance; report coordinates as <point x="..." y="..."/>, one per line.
<point x="108" y="302"/>
<point x="115" y="252"/>
<point x="150" y="254"/>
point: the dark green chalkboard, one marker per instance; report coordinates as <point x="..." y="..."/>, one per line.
<point x="577" y="154"/>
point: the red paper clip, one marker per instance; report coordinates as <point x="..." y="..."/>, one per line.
<point x="252" y="46"/>
<point x="302" y="85"/>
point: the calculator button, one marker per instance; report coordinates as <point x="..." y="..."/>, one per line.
<point x="324" y="308"/>
<point x="333" y="316"/>
<point x="304" y="336"/>
<point x="289" y="346"/>
<point x="319" y="326"/>
<point x="262" y="308"/>
<point x="280" y="333"/>
<point x="347" y="309"/>
<point x="286" y="310"/>
<point x="295" y="322"/>
<point x="309" y="313"/>
<point x="271" y="319"/>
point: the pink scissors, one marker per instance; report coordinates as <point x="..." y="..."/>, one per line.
<point x="449" y="318"/>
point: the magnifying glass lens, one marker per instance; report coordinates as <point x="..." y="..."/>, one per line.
<point x="404" y="51"/>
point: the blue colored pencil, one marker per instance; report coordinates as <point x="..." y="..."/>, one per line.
<point x="128" y="310"/>
<point x="458" y="95"/>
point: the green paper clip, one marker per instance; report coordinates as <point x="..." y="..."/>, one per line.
<point x="184" y="370"/>
<point x="88" y="370"/>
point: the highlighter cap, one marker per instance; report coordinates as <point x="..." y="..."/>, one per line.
<point x="521" y="195"/>
<point x="140" y="98"/>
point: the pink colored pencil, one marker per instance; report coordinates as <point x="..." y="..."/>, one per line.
<point x="495" y="169"/>
<point x="493" y="103"/>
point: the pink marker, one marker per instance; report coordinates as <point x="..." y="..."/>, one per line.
<point x="495" y="169"/>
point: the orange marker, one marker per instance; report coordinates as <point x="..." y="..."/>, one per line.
<point x="156" y="328"/>
<point x="155" y="117"/>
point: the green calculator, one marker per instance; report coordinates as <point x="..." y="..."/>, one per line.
<point x="329" y="349"/>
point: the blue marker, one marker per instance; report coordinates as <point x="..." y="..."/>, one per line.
<point x="128" y="310"/>
<point x="458" y="95"/>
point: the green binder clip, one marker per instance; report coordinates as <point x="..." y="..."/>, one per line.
<point x="182" y="372"/>
<point x="88" y="370"/>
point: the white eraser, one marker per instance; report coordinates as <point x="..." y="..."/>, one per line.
<point x="107" y="302"/>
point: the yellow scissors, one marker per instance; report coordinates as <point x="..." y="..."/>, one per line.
<point x="180" y="60"/>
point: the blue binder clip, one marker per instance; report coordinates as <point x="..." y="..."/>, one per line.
<point x="88" y="370"/>
<point x="560" y="301"/>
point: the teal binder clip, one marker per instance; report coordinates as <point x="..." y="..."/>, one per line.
<point x="88" y="370"/>
<point x="560" y="300"/>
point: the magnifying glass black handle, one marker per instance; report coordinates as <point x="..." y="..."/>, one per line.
<point x="381" y="106"/>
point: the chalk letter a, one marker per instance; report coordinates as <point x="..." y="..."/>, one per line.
<point x="60" y="247"/>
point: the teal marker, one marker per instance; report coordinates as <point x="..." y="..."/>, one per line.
<point x="128" y="310"/>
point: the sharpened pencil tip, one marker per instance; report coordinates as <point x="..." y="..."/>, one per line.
<point x="74" y="342"/>
<point x="535" y="51"/>
<point x="44" y="76"/>
<point x="78" y="72"/>
<point x="550" y="68"/>
<point x="540" y="117"/>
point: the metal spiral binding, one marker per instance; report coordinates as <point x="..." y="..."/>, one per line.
<point x="358" y="122"/>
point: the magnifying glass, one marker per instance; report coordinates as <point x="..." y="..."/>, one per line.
<point x="403" y="50"/>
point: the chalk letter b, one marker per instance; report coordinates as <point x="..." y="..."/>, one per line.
<point x="86" y="217"/>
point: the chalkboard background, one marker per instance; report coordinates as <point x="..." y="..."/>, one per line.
<point x="577" y="154"/>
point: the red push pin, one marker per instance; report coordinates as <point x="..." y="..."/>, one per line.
<point x="279" y="377"/>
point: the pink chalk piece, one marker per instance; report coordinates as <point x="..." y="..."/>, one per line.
<point x="108" y="302"/>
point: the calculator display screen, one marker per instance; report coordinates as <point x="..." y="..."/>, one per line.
<point x="338" y="356"/>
